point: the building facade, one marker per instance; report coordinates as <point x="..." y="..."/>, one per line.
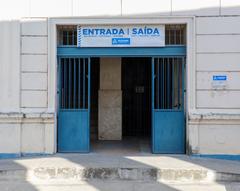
<point x="192" y="83"/>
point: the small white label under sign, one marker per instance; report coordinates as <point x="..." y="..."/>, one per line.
<point x="121" y="36"/>
<point x="219" y="81"/>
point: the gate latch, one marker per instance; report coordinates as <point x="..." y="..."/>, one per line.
<point x="139" y="89"/>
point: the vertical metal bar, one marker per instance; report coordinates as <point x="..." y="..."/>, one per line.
<point x="169" y="34"/>
<point x="79" y="83"/>
<point x="84" y="75"/>
<point x="165" y="80"/>
<point x="173" y="92"/>
<point x="62" y="36"/>
<point x="61" y="78"/>
<point x="75" y="38"/>
<point x="153" y="91"/>
<point x="74" y="83"/>
<point x="165" y="84"/>
<point x="60" y="40"/>
<point x="65" y="82"/>
<point x="89" y="99"/>
<point x="69" y="82"/>
<point x="59" y="84"/>
<point x="157" y="83"/>
<point x="178" y="72"/>
<point x="183" y="82"/>
<point x="175" y="34"/>
<point x="67" y="43"/>
<point x="163" y="88"/>
<point x="72" y="36"/>
<point x="85" y="83"/>
<point x="89" y="82"/>
<point x="162" y="81"/>
<point x="168" y="83"/>
<point x="180" y="35"/>
<point x="162" y="85"/>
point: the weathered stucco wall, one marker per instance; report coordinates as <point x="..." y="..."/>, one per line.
<point x="27" y="125"/>
<point x="215" y="124"/>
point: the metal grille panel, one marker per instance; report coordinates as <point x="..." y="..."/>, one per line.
<point x="73" y="83"/>
<point x="168" y="83"/>
<point x="67" y="35"/>
<point x="175" y="34"/>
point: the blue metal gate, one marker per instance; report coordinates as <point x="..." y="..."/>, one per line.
<point x="74" y="104"/>
<point x="168" y="121"/>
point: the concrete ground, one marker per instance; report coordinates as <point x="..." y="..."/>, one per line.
<point x="127" y="146"/>
<point x="116" y="167"/>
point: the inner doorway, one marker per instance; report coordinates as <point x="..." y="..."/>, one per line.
<point x="136" y="105"/>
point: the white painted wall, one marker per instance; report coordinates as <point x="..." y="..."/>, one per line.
<point x="219" y="137"/>
<point x="200" y="8"/>
<point x="218" y="53"/>
<point x="24" y="81"/>
<point x="10" y="138"/>
<point x="10" y="9"/>
<point x="34" y="77"/>
<point x="215" y="126"/>
<point x="10" y="66"/>
<point x="25" y="124"/>
<point x="230" y="7"/>
<point x="155" y="7"/>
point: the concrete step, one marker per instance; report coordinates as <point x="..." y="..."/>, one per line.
<point x="118" y="186"/>
<point x="76" y="168"/>
<point x="76" y="174"/>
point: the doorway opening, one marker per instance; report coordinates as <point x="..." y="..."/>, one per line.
<point x="135" y="106"/>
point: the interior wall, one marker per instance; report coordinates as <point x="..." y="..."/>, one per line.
<point x="110" y="100"/>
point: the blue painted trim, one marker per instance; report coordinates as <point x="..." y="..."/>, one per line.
<point x="34" y="154"/>
<point x="73" y="110"/>
<point x="128" y="52"/>
<point x="19" y="155"/>
<point x="9" y="155"/>
<point x="218" y="156"/>
<point x="168" y="110"/>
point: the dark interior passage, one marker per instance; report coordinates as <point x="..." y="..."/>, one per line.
<point x="136" y="87"/>
<point x="95" y="67"/>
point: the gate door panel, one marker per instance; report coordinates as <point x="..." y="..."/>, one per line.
<point x="168" y="124"/>
<point x="74" y="104"/>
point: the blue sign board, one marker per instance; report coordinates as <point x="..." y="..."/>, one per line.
<point x="121" y="36"/>
<point x="220" y="78"/>
<point x="117" y="41"/>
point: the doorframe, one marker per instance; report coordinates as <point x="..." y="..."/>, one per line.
<point x="190" y="97"/>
